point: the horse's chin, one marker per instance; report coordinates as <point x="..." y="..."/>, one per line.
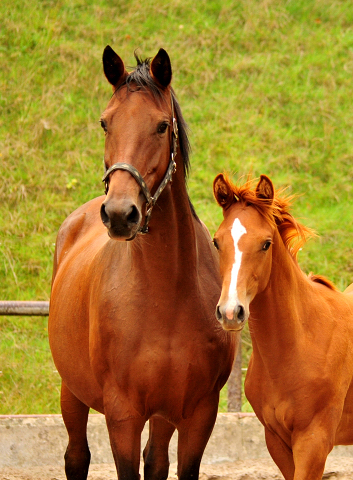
<point x="124" y="235"/>
<point x="230" y="328"/>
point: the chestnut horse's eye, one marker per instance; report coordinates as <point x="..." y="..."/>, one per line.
<point x="215" y="243"/>
<point x="266" y="245"/>
<point x="103" y="125"/>
<point x="162" y="127"/>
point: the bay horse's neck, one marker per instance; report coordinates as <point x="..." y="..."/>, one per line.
<point x="277" y="315"/>
<point x="171" y="228"/>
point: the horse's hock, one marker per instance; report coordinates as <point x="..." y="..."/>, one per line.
<point x="36" y="440"/>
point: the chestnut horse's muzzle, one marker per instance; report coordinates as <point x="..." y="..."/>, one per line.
<point x="232" y="319"/>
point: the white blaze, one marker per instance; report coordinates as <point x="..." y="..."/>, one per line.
<point x="238" y="230"/>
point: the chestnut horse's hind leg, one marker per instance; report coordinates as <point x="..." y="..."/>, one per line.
<point x="155" y="453"/>
<point x="75" y="416"/>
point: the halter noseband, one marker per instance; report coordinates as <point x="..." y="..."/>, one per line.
<point x="150" y="201"/>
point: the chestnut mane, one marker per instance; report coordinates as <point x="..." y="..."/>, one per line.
<point x="277" y="212"/>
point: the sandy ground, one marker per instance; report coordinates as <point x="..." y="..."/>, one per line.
<point x="337" y="468"/>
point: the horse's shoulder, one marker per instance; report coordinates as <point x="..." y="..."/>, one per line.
<point x="77" y="225"/>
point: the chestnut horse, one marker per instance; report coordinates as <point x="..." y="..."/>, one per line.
<point x="299" y="379"/>
<point x="135" y="285"/>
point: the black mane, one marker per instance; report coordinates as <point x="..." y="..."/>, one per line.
<point x="140" y="78"/>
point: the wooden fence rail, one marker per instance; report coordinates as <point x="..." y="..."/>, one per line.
<point x="24" y="308"/>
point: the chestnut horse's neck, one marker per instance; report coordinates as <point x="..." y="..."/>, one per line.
<point x="279" y="314"/>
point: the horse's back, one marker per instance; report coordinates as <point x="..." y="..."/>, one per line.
<point x="349" y="289"/>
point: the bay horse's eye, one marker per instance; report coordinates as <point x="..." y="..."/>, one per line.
<point x="266" y="245"/>
<point x="215" y="243"/>
<point x="162" y="127"/>
<point x="103" y="125"/>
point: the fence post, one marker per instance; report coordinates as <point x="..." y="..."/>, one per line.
<point x="235" y="384"/>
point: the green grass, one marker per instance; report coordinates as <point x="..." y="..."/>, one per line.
<point x="265" y="86"/>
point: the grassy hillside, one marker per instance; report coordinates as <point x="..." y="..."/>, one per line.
<point x="265" y="86"/>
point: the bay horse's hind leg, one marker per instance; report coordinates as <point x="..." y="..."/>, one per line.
<point x="75" y="416"/>
<point x="155" y="453"/>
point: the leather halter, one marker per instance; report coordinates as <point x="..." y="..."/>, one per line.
<point x="150" y="201"/>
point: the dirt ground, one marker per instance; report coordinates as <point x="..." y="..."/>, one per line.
<point x="337" y="468"/>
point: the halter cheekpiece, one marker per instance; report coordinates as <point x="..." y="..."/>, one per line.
<point x="150" y="201"/>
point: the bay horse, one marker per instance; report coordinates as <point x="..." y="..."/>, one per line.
<point x="135" y="284"/>
<point x="299" y="380"/>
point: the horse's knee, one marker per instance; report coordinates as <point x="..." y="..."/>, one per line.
<point x="77" y="460"/>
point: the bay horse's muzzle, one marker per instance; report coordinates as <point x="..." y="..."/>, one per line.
<point x="231" y="319"/>
<point x="121" y="217"/>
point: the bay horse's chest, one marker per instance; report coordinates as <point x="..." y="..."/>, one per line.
<point x="149" y="332"/>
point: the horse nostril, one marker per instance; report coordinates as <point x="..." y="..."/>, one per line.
<point x="104" y="216"/>
<point x="240" y="314"/>
<point x="218" y="313"/>
<point x="134" y="215"/>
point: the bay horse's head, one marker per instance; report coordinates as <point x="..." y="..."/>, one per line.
<point x="252" y="219"/>
<point x="141" y="133"/>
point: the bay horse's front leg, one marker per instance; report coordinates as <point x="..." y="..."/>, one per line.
<point x="75" y="416"/>
<point x="155" y="453"/>
<point x="125" y="440"/>
<point x="194" y="434"/>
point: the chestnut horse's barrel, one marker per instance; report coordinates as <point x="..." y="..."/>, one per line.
<point x="24" y="308"/>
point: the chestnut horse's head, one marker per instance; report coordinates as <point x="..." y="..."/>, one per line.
<point x="141" y="130"/>
<point x="255" y="221"/>
<point x="244" y="242"/>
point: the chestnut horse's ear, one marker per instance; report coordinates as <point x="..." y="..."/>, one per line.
<point x="223" y="191"/>
<point x="265" y="188"/>
<point x="113" y="66"/>
<point x="161" y="68"/>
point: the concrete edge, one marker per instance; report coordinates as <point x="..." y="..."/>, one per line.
<point x="37" y="440"/>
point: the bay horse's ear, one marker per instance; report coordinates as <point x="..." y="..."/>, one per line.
<point x="161" y="68"/>
<point x="265" y="188"/>
<point x="113" y="66"/>
<point x="223" y="191"/>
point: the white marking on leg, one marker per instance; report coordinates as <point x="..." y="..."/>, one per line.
<point x="238" y="230"/>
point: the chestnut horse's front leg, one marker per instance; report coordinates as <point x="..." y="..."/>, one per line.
<point x="155" y="453"/>
<point x="311" y="448"/>
<point x="75" y="416"/>
<point x="281" y="454"/>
